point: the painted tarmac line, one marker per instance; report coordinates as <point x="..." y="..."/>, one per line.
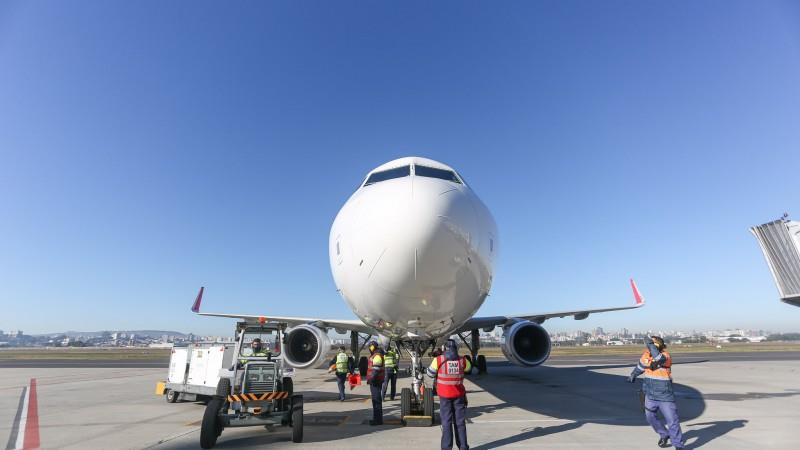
<point x="12" y="439"/>
<point x="25" y="431"/>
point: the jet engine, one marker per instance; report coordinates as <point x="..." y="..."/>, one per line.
<point x="525" y="343"/>
<point x="306" y="346"/>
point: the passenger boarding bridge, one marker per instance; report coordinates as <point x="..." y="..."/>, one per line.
<point x="780" y="242"/>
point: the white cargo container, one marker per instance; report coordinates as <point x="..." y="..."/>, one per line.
<point x="194" y="371"/>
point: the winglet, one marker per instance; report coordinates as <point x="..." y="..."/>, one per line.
<point x="196" y="305"/>
<point x="636" y="295"/>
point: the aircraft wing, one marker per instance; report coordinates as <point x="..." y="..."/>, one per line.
<point x="339" y="325"/>
<point x="476" y="323"/>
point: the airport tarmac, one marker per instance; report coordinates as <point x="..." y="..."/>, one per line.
<point x="730" y="400"/>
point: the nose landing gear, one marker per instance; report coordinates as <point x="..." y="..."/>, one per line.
<point x="416" y="403"/>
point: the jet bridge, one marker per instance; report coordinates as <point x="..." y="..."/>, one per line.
<point x="780" y="242"/>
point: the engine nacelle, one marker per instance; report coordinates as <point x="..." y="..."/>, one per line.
<point x="525" y="343"/>
<point x="306" y="346"/>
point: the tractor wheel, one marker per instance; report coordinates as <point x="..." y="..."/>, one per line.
<point x="224" y="387"/>
<point x="288" y="385"/>
<point x="211" y="427"/>
<point x="297" y="418"/>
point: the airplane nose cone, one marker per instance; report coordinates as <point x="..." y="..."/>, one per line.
<point x="415" y="234"/>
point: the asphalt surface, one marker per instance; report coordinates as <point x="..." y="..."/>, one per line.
<point x="725" y="401"/>
<point x="590" y="360"/>
<point x="83" y="363"/>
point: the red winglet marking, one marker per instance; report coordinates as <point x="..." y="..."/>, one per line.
<point x="196" y="306"/>
<point x="636" y="295"/>
<point x="32" y="424"/>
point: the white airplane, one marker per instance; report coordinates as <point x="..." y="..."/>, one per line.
<point x="412" y="253"/>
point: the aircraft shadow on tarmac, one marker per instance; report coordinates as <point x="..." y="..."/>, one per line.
<point x="576" y="394"/>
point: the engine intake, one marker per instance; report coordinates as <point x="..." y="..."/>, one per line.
<point x="525" y="343"/>
<point x="306" y="346"/>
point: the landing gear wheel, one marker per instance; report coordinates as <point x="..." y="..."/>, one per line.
<point x="427" y="404"/>
<point x="481" y="364"/>
<point x="172" y="396"/>
<point x="362" y="367"/>
<point x="211" y="427"/>
<point x="297" y="418"/>
<point x="405" y="404"/>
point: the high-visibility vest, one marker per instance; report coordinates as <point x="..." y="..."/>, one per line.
<point x="664" y="372"/>
<point x="341" y="363"/>
<point x="375" y="370"/>
<point x="390" y="359"/>
<point x="450" y="377"/>
<point x="259" y="353"/>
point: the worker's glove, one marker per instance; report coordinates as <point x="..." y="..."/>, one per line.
<point x="631" y="379"/>
<point x="653" y="365"/>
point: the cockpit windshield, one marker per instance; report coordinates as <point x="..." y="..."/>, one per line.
<point x="262" y="342"/>
<point x="397" y="172"/>
<point x="432" y="172"/>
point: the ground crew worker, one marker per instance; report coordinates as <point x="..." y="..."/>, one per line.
<point x="343" y="366"/>
<point x="390" y="359"/>
<point x="375" y="376"/>
<point x="448" y="369"/>
<point x="656" y="365"/>
<point x="256" y="349"/>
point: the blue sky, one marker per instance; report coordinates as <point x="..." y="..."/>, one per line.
<point x="148" y="148"/>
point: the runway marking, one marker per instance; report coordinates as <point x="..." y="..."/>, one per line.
<point x="12" y="440"/>
<point x="25" y="431"/>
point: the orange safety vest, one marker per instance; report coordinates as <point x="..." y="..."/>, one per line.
<point x="664" y="372"/>
<point x="450" y="377"/>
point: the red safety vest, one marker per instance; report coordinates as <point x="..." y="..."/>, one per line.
<point x="450" y="377"/>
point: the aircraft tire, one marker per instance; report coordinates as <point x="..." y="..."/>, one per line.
<point x="481" y="364"/>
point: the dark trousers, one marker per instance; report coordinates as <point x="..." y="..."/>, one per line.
<point x="341" y="378"/>
<point x="453" y="412"/>
<point x="389" y="378"/>
<point x="672" y="427"/>
<point x="377" y="402"/>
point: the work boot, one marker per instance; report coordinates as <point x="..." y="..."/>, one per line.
<point x="663" y="442"/>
